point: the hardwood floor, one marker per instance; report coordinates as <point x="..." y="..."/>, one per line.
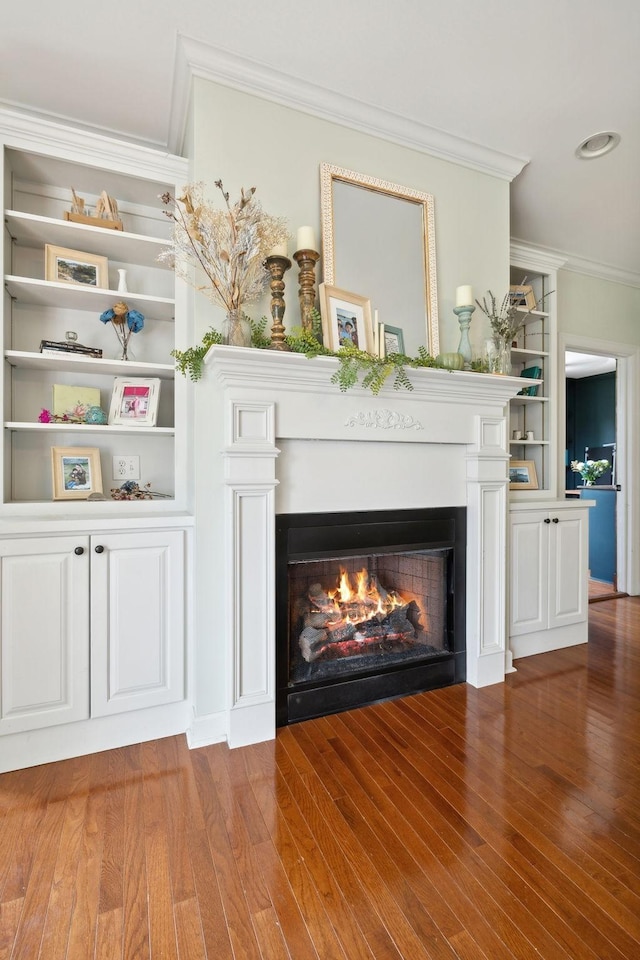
<point x="473" y="824"/>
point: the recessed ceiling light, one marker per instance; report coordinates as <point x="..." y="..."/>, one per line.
<point x="597" y="145"/>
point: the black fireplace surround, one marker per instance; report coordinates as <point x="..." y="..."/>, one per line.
<point x="400" y="549"/>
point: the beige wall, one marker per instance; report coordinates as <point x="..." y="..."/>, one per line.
<point x="246" y="141"/>
<point x="590" y="307"/>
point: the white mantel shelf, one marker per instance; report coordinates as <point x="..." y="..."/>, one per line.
<point x="451" y="448"/>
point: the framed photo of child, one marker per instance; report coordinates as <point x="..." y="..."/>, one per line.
<point x="346" y="319"/>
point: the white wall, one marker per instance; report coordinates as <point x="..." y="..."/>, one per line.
<point x="246" y="141"/>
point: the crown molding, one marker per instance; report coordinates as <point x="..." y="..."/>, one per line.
<point x="32" y="132"/>
<point x="197" y="59"/>
<point x="534" y="255"/>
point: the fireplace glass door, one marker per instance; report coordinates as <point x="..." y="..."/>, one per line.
<point x="372" y="608"/>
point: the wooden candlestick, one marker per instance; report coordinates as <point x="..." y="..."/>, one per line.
<point x="277" y="266"/>
<point x="306" y="260"/>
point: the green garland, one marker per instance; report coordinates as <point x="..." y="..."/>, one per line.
<point x="354" y="364"/>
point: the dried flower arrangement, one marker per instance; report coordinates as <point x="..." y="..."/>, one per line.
<point x="228" y="245"/>
<point x="124" y="322"/>
<point x="507" y="320"/>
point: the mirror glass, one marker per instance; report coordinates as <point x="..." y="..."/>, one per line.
<point x="378" y="241"/>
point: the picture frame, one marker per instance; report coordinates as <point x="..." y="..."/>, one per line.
<point x="134" y="402"/>
<point x="75" y="472"/>
<point x="523" y="475"/>
<point x="62" y="265"/>
<point x="346" y="318"/>
<point x="522" y="295"/>
<point x="393" y="340"/>
<point x="72" y="401"/>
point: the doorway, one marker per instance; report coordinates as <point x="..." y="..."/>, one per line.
<point x="590" y="395"/>
<point x="622" y="358"/>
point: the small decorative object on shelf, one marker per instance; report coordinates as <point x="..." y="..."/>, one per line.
<point x="106" y="213"/>
<point x="124" y="322"/>
<point x="229" y="246"/>
<point x="451" y="361"/>
<point x="69" y="345"/>
<point x="122" y="280"/>
<point x="590" y="470"/>
<point x="130" y="490"/>
<point x="463" y="310"/>
<point x="277" y="264"/>
<point x="306" y="256"/>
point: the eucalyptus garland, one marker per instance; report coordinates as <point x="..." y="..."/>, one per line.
<point x="354" y="365"/>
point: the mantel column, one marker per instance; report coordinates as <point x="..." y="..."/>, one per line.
<point x="486" y="552"/>
<point x="249" y="477"/>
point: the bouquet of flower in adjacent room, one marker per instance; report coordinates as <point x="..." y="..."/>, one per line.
<point x="590" y="470"/>
<point x="228" y="246"/>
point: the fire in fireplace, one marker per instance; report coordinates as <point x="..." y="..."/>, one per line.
<point x="369" y="606"/>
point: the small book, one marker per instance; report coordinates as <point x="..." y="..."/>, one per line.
<point x="533" y="373"/>
<point x="50" y="347"/>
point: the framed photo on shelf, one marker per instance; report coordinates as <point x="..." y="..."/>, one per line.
<point x="73" y="266"/>
<point x="522" y="296"/>
<point x="74" y="402"/>
<point x="393" y="340"/>
<point x="346" y="319"/>
<point x="134" y="403"/>
<point x="522" y="475"/>
<point x="75" y="472"/>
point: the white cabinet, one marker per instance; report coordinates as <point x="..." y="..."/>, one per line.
<point x="91" y="626"/>
<point x="548" y="577"/>
<point x="137" y="620"/>
<point x="44" y="632"/>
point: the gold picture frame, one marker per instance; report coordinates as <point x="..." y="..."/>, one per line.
<point x="346" y="319"/>
<point x="62" y="265"/>
<point x="75" y="472"/>
<point x="522" y="475"/>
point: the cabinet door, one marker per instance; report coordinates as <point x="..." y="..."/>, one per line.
<point x="529" y="572"/>
<point x="44" y="632"/>
<point x="137" y="621"/>
<point x="568" y="560"/>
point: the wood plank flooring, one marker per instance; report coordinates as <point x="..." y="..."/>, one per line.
<point x="474" y="824"/>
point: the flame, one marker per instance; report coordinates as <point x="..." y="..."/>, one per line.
<point x="364" y="599"/>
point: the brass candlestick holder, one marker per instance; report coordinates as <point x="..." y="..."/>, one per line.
<point x="277" y="267"/>
<point x="306" y="260"/>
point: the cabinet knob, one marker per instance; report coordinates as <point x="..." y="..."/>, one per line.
<point x="79" y="551"/>
<point x="547" y="520"/>
<point x="99" y="548"/>
<point x="556" y="520"/>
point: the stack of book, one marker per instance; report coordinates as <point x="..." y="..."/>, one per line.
<point x="70" y="347"/>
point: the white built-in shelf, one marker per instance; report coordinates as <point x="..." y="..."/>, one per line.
<point x="532" y="313"/>
<point x="524" y="353"/>
<point x="528" y="443"/>
<point x="31" y="230"/>
<point x="78" y="364"/>
<point x="78" y="296"/>
<point x="28" y="426"/>
<point x="524" y="400"/>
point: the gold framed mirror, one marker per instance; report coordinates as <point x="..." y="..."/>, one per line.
<point x="378" y="241"/>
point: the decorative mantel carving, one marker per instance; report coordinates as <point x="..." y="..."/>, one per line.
<point x="384" y="419"/>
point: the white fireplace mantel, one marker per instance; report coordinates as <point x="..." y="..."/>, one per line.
<point x="292" y="442"/>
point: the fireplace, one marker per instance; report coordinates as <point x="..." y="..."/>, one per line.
<point x="282" y="439"/>
<point x="370" y="605"/>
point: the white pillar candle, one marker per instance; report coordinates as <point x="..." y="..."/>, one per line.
<point x="280" y="250"/>
<point x="464" y="296"/>
<point x="306" y="239"/>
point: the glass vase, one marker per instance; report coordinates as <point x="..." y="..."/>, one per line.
<point x="503" y="357"/>
<point x="236" y="329"/>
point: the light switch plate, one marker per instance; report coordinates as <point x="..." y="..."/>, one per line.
<point x="126" y="468"/>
